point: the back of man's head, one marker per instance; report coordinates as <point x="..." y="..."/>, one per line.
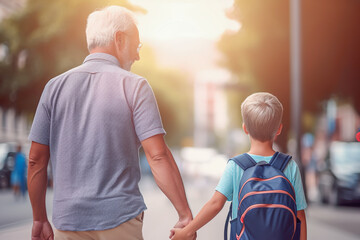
<point x="262" y="114"/>
<point x="103" y="24"/>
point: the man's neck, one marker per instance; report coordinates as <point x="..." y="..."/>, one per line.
<point x="107" y="49"/>
<point x="102" y="50"/>
<point x="261" y="148"/>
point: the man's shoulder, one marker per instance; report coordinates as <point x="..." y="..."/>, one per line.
<point x="63" y="75"/>
<point x="115" y="73"/>
<point x="132" y="76"/>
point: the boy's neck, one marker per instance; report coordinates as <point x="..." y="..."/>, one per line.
<point x="261" y="148"/>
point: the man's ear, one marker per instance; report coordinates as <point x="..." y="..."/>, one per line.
<point x="119" y="40"/>
<point x="244" y="127"/>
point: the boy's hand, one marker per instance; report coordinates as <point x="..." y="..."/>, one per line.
<point x="181" y="234"/>
<point x="181" y="224"/>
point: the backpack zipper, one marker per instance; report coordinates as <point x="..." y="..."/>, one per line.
<point x="263" y="180"/>
<point x="265" y="192"/>
<point x="265" y="206"/>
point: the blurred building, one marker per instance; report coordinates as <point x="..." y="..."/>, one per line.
<point x="348" y="121"/>
<point x="210" y="106"/>
<point x="13" y="127"/>
<point x="339" y="122"/>
<point x="343" y="121"/>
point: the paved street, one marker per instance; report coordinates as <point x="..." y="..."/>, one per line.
<point x="323" y="222"/>
<point x="16" y="215"/>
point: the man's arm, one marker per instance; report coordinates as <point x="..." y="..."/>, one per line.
<point x="167" y="176"/>
<point x="206" y="214"/>
<point x="302" y="217"/>
<point x="37" y="183"/>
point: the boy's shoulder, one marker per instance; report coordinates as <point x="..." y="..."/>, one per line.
<point x="291" y="165"/>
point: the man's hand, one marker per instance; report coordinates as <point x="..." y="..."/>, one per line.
<point x="42" y="231"/>
<point x="183" y="222"/>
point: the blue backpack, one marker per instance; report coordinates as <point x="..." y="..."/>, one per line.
<point x="267" y="204"/>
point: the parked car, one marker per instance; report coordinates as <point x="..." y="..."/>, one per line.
<point x="339" y="179"/>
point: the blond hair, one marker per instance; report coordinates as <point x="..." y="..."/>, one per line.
<point x="103" y="24"/>
<point x="262" y="113"/>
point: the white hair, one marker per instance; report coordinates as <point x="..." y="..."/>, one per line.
<point x="262" y="113"/>
<point x="103" y="24"/>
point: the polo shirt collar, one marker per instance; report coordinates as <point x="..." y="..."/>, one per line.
<point x="102" y="57"/>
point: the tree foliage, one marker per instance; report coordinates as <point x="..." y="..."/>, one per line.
<point x="47" y="38"/>
<point x="258" y="54"/>
<point x="174" y="94"/>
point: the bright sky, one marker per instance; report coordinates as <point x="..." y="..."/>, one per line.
<point x="176" y="19"/>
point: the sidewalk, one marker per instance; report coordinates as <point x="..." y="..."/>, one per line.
<point x="159" y="218"/>
<point x="17" y="233"/>
<point x="323" y="222"/>
<point x="16" y="215"/>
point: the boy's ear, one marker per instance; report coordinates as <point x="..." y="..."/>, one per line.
<point x="279" y="130"/>
<point x="244" y="127"/>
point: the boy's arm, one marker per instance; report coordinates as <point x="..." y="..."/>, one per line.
<point x="206" y="214"/>
<point x="302" y="217"/>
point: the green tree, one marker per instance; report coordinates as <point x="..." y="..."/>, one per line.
<point x="47" y="38"/>
<point x="42" y="40"/>
<point x="258" y="54"/>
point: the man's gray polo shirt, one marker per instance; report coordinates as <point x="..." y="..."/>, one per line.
<point x="93" y="118"/>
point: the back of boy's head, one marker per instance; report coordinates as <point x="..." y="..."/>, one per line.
<point x="262" y="114"/>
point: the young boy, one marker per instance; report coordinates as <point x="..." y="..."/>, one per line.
<point x="262" y="114"/>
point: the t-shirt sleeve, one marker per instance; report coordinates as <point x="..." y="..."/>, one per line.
<point x="298" y="187"/>
<point x="147" y="120"/>
<point x="40" y="129"/>
<point x="225" y="185"/>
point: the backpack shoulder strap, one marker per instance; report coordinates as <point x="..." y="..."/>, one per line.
<point x="244" y="161"/>
<point x="280" y="160"/>
<point x="227" y="222"/>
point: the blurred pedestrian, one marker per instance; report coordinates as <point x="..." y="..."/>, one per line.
<point x="309" y="161"/>
<point x="18" y="175"/>
<point x="91" y="122"/>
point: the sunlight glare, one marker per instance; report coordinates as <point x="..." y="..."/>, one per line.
<point x="175" y="19"/>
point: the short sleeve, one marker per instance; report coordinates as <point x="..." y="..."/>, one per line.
<point x="146" y="116"/>
<point x="225" y="185"/>
<point x="295" y="179"/>
<point x="40" y="129"/>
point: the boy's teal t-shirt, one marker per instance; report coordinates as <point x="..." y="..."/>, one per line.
<point x="230" y="181"/>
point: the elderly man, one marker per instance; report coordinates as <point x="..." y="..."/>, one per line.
<point x="91" y="122"/>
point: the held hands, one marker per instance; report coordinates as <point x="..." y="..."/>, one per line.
<point x="183" y="222"/>
<point x="42" y="231"/>
<point x="181" y="234"/>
